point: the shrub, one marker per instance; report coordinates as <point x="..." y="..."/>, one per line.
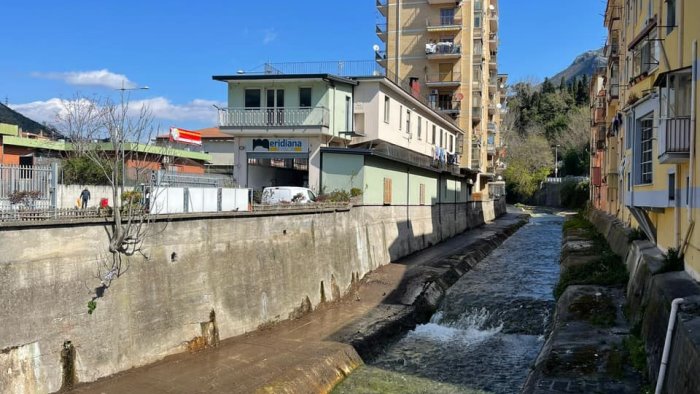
<point x="355" y="192"/>
<point x="25" y="198"/>
<point x="672" y="261"/>
<point x="574" y="195"/>
<point x="84" y="171"/>
<point x="334" y="196"/>
<point x="131" y="200"/>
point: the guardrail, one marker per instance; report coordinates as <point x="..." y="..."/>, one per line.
<point x="35" y="215"/>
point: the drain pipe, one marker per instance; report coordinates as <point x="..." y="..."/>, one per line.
<point x="667" y="344"/>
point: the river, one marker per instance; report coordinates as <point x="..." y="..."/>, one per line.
<point x="488" y="330"/>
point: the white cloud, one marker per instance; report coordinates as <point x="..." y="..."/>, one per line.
<point x="103" y="78"/>
<point x="269" y="36"/>
<point x="163" y="110"/>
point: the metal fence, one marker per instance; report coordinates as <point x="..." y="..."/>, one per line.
<point x="567" y="179"/>
<point x="174" y="179"/>
<point x="341" y="68"/>
<point x="36" y="215"/>
<point x="27" y="187"/>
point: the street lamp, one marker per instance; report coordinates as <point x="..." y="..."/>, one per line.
<point x="122" y="90"/>
<point x="556" y="160"/>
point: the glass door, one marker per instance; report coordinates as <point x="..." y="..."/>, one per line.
<point x="275" y="106"/>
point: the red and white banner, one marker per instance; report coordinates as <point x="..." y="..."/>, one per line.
<point x="185" y="136"/>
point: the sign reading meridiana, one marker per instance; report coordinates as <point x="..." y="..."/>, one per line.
<point x="300" y="145"/>
<point x="185" y="136"/>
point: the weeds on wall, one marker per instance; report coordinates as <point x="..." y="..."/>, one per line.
<point x="673" y="261"/>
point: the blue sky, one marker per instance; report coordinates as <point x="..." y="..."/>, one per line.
<point x="51" y="50"/>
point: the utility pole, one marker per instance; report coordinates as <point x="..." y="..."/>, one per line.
<point x="556" y="161"/>
<point x="121" y="152"/>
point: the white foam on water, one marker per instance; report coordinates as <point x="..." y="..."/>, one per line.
<point x="468" y="329"/>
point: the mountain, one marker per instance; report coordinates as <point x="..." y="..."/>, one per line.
<point x="584" y="64"/>
<point x="10" y="116"/>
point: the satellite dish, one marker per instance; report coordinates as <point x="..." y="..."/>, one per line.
<point x="492" y="7"/>
<point x="499" y="106"/>
<point x="459" y="96"/>
<point x="376" y="48"/>
<point x="240" y="72"/>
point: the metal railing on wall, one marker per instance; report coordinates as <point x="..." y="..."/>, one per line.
<point x="28" y="187"/>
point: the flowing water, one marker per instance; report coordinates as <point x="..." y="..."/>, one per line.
<point x="489" y="329"/>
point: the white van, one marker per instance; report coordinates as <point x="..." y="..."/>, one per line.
<point x="288" y="195"/>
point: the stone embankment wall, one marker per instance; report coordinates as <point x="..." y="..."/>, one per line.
<point x="650" y="292"/>
<point x="207" y="277"/>
<point x="648" y="296"/>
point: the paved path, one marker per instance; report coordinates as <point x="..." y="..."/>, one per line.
<point x="292" y="353"/>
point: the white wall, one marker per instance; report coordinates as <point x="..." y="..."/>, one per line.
<point x="369" y="99"/>
<point x="66" y="195"/>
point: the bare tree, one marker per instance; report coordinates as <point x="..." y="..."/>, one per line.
<point x="114" y="137"/>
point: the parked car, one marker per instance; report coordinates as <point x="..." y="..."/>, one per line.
<point x="287" y="195"/>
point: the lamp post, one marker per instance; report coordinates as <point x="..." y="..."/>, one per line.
<point x="122" y="91"/>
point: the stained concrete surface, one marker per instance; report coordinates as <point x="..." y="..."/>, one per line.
<point x="298" y="355"/>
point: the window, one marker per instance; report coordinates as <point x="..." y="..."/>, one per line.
<point x="670" y="15"/>
<point x="348" y="113"/>
<point x="452" y="143"/>
<point x="400" y="116"/>
<point x="432" y="141"/>
<point x="447" y="16"/>
<point x="671" y="187"/>
<point x="441" y="133"/>
<point x="387" y="191"/>
<point x="387" y="105"/>
<point x="408" y="121"/>
<point x="420" y="127"/>
<point x="477" y="21"/>
<point x="304" y="97"/>
<point x="675" y="96"/>
<point x="252" y="98"/>
<point x="646" y="140"/>
<point x="478" y="47"/>
<point x="645" y="55"/>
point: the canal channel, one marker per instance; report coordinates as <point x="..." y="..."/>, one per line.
<point x="489" y="329"/>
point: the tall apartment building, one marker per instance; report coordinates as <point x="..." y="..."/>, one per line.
<point x="446" y="51"/>
<point x="648" y="134"/>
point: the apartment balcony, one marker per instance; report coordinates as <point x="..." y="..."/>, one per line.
<point x="492" y="127"/>
<point x="493" y="22"/>
<point x="674" y="140"/>
<point x="490" y="149"/>
<point x="448" y="106"/>
<point x="288" y="120"/>
<point x="476" y="113"/>
<point x="612" y="50"/>
<point x="493" y="41"/>
<point x="476" y="84"/>
<point x="436" y="80"/>
<point x="476" y="164"/>
<point x="493" y="84"/>
<point x="477" y="32"/>
<point x="442" y="51"/>
<point x="381" y="31"/>
<point x="441" y="2"/>
<point x="492" y="108"/>
<point x="613" y="90"/>
<point x="380" y="58"/>
<point x="383" y="7"/>
<point x="493" y="63"/>
<point x="600" y="134"/>
<point x="443" y="24"/>
<point x="477" y="57"/>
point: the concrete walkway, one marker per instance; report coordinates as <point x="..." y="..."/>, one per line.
<point x="310" y="354"/>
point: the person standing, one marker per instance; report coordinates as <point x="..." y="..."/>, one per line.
<point x="85" y="197"/>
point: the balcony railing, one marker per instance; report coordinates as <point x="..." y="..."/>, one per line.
<point x="674" y="140"/>
<point x="476" y="113"/>
<point x="443" y="78"/>
<point x="442" y="48"/>
<point x="381" y="31"/>
<point x="444" y="23"/>
<point x="383" y="6"/>
<point x="492" y="127"/>
<point x="274" y="117"/>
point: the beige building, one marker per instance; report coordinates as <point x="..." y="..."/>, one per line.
<point x="446" y="52"/>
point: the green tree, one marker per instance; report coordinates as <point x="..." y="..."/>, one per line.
<point x="530" y="160"/>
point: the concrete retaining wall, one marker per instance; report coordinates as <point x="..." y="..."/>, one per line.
<point x="250" y="270"/>
<point x="649" y="296"/>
